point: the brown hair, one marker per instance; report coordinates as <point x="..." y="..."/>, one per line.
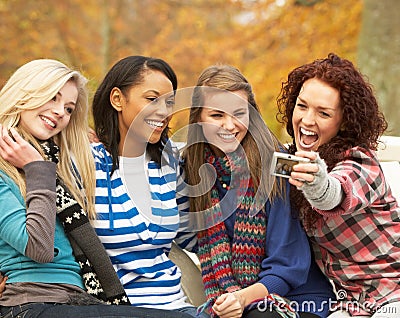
<point x="258" y="143"/>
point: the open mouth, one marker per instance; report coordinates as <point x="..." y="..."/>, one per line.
<point x="48" y="121"/>
<point x="308" y="138"/>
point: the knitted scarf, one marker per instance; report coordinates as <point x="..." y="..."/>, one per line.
<point x="98" y="274"/>
<point x="227" y="265"/>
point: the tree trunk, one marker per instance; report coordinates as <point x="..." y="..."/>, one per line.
<point x="379" y="56"/>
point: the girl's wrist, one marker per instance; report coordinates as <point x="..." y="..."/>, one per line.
<point x="251" y="293"/>
<point x="238" y="295"/>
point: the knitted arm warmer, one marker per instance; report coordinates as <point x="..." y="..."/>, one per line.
<point x="40" y="211"/>
<point x="325" y="192"/>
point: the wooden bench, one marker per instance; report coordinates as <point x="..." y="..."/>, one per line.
<point x="389" y="156"/>
<point x="191" y="281"/>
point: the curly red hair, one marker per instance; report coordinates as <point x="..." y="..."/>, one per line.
<point x="362" y="125"/>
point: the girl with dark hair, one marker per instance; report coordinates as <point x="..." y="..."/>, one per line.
<point x="345" y="203"/>
<point x="137" y="181"/>
<point x="252" y="250"/>
<point x="53" y="260"/>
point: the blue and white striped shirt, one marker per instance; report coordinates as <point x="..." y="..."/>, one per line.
<point x="138" y="244"/>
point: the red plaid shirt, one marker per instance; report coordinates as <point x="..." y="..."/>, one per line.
<point x="358" y="243"/>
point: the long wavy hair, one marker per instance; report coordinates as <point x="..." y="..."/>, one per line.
<point x="257" y="145"/>
<point x="124" y="75"/>
<point x="362" y="125"/>
<point x="30" y="87"/>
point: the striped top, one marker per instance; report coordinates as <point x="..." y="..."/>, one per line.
<point x="138" y="244"/>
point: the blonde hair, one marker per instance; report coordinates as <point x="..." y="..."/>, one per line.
<point x="258" y="144"/>
<point x="30" y="87"/>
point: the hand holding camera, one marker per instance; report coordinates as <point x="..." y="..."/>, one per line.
<point x="282" y="164"/>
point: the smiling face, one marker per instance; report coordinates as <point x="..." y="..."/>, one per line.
<point x="51" y="118"/>
<point x="317" y="115"/>
<point x="144" y="111"/>
<point x="224" y="119"/>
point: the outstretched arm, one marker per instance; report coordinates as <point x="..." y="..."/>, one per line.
<point x="322" y="190"/>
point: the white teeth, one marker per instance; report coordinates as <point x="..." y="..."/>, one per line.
<point x="155" y="123"/>
<point x="48" y="121"/>
<point x="307" y="132"/>
<point x="227" y="136"/>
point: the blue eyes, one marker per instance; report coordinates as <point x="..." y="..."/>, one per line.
<point x="69" y="110"/>
<point x="170" y="103"/>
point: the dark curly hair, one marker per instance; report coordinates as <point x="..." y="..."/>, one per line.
<point x="362" y="125"/>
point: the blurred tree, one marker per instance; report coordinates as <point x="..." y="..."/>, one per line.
<point x="379" y="55"/>
<point x="263" y="38"/>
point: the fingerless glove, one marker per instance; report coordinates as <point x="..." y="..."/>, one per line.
<point x="324" y="192"/>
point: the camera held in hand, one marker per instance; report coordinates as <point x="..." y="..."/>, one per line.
<point x="282" y="164"/>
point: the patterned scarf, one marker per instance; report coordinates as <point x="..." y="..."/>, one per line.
<point x="99" y="276"/>
<point x="227" y="265"/>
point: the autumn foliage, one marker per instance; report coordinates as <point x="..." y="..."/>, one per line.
<point x="264" y="39"/>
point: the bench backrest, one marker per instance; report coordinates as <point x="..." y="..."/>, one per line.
<point x="389" y="156"/>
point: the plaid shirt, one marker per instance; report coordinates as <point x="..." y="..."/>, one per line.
<point x="358" y="242"/>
